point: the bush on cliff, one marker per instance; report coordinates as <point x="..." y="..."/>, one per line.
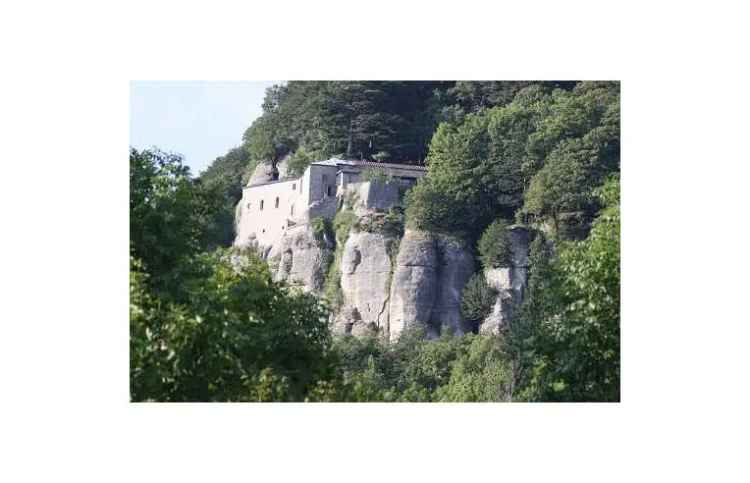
<point x="494" y="245"/>
<point x="477" y="299"/>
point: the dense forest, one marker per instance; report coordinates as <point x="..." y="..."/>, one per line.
<point x="209" y="323"/>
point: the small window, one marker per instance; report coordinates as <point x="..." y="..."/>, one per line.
<point x="291" y="211"/>
<point x="329" y="190"/>
<point x="248" y="206"/>
<point x="294" y="186"/>
<point x="261" y="206"/>
<point x="277" y="202"/>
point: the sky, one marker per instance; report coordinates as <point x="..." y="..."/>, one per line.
<point x="199" y="119"/>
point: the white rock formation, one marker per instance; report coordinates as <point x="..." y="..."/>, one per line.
<point x="510" y="283"/>
<point x="302" y="259"/>
<point x="365" y="277"/>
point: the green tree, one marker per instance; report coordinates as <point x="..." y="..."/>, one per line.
<point x="477" y="299"/>
<point x="494" y="245"/>
<point x="483" y="373"/>
<point x="168" y="211"/>
<point x="230" y="334"/>
<point x="577" y="338"/>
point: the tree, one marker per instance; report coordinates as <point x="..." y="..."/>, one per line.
<point x="223" y="182"/>
<point x="168" y="211"/>
<point x="494" y="245"/>
<point x="480" y="374"/>
<point x="230" y="334"/>
<point x="576" y="146"/>
<point x="476" y="166"/>
<point x="477" y="299"/>
<point x="577" y="337"/>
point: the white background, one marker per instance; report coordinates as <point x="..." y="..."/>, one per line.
<point x="64" y="247"/>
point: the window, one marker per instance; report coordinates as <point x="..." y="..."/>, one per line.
<point x="261" y="205"/>
<point x="248" y="206"/>
<point x="329" y="190"/>
<point x="294" y="186"/>
<point x="291" y="212"/>
<point x="277" y="202"/>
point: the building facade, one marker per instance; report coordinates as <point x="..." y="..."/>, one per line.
<point x="267" y="210"/>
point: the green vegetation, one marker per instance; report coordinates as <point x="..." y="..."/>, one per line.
<point x="343" y="223"/>
<point x="494" y="245"/>
<point x="477" y="299"/>
<point x="376" y="174"/>
<point x="469" y="368"/>
<point x="209" y="324"/>
<point x="539" y="157"/>
<point x="568" y="335"/>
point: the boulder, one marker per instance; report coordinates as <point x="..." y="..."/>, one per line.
<point x="264" y="173"/>
<point x="414" y="284"/>
<point x="510" y="282"/>
<point x="455" y="267"/>
<point x="365" y="276"/>
<point x="302" y="259"/>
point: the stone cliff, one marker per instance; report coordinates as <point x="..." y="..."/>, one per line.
<point x="392" y="281"/>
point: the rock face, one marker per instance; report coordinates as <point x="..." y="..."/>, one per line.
<point x="302" y="259"/>
<point x="429" y="276"/>
<point x="375" y="195"/>
<point x="414" y="283"/>
<point x="509" y="282"/>
<point x="365" y="278"/>
<point x="456" y="265"/>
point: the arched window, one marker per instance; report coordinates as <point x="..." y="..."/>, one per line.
<point x="277" y="202"/>
<point x="329" y="190"/>
<point x="291" y="211"/>
<point x="261" y="205"/>
<point x="294" y="186"/>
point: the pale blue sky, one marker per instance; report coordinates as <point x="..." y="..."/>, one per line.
<point x="198" y="119"/>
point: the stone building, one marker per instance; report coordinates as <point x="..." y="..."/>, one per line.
<point x="268" y="209"/>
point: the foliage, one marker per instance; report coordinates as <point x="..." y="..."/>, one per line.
<point x="494" y="245"/>
<point x="389" y="223"/>
<point x="300" y="160"/>
<point x="477" y="299"/>
<point x="574" y="330"/>
<point x="376" y="174"/>
<point x="538" y="156"/>
<point x="170" y="212"/>
<point x="343" y="222"/>
<point x="468" y="368"/>
<point x="225" y="178"/>
<point x="214" y="326"/>
<point x="482" y="373"/>
<point x="322" y="229"/>
<point x="232" y="335"/>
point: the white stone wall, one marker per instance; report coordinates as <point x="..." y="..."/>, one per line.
<point x="268" y="224"/>
<point x="295" y="197"/>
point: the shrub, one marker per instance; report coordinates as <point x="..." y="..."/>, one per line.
<point x="342" y="225"/>
<point x="322" y="229"/>
<point x="376" y="174"/>
<point x="482" y="373"/>
<point x="477" y="299"/>
<point x="494" y="245"/>
<point x="233" y="335"/>
<point x="299" y="161"/>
